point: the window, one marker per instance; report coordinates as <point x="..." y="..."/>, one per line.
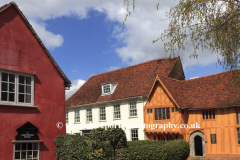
<point x="16" y="88"/>
<point x="149" y="110"/>
<point x="117" y="113"/>
<point x="133" y="109"/>
<point x="162" y="113"/>
<point x="172" y="109"/>
<point x="102" y="113"/>
<point x="176" y="109"/>
<point x="66" y="116"/>
<point x="238" y="133"/>
<point x="134" y="134"/>
<point x="23" y="151"/>
<point x="106" y="88"/>
<point x="213" y="138"/>
<point x="237" y="115"/>
<point x="208" y="114"/>
<point x="89" y="115"/>
<point x="77" y="116"/>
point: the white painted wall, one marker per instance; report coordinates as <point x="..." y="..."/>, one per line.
<point x="126" y="120"/>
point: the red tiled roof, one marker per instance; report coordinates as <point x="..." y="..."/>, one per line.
<point x="216" y="90"/>
<point x="132" y="81"/>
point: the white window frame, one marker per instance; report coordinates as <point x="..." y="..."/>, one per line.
<point x="16" y="89"/>
<point x="106" y="87"/>
<point x="133" y="109"/>
<point x="77" y="116"/>
<point x="66" y="117"/>
<point x="134" y="134"/>
<point x="88" y="116"/>
<point x="102" y="114"/>
<point x="20" y="151"/>
<point x="117" y="113"/>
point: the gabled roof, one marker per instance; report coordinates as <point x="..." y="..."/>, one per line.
<point x="218" y="90"/>
<point x="3" y="8"/>
<point x="132" y="81"/>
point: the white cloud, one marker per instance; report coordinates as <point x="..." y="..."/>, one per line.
<point x="76" y="84"/>
<point x="111" y="68"/>
<point x="73" y="70"/>
<point x="193" y="77"/>
<point x="140" y="29"/>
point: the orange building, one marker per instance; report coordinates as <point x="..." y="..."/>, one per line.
<point x="203" y="111"/>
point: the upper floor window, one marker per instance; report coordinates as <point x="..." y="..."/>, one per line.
<point x="77" y="116"/>
<point x="106" y="88"/>
<point x="66" y="117"/>
<point x="102" y="113"/>
<point x="117" y="112"/>
<point x="162" y="113"/>
<point x="133" y="109"/>
<point x="149" y="110"/>
<point x="16" y="88"/>
<point x="209" y="114"/>
<point x="89" y="115"/>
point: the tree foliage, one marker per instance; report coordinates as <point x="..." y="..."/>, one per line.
<point x="203" y="24"/>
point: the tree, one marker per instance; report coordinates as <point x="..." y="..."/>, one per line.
<point x="203" y="24"/>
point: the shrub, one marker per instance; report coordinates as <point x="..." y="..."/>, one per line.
<point x="72" y="147"/>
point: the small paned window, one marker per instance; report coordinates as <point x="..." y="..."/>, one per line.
<point x="238" y="134"/>
<point x="23" y="151"/>
<point x="168" y="113"/>
<point x="89" y="115"/>
<point x="102" y="113"/>
<point x="117" y="112"/>
<point x="213" y="138"/>
<point x="133" y="109"/>
<point x="134" y="134"/>
<point x="106" y="88"/>
<point x="77" y="116"/>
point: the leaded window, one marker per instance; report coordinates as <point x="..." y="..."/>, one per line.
<point x="162" y="113"/>
<point x="102" y="113"/>
<point x="213" y="138"/>
<point x="210" y="114"/>
<point x="133" y="109"/>
<point x="117" y="112"/>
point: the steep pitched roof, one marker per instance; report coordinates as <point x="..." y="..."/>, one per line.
<point x="132" y="81"/>
<point x="3" y="8"/>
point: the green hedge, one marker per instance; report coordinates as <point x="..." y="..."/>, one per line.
<point x="72" y="147"/>
<point x="155" y="150"/>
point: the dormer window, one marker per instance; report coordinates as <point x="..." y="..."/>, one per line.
<point x="108" y="88"/>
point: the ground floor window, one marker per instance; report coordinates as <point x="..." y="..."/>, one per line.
<point x="238" y="133"/>
<point x="134" y="134"/>
<point x="26" y="151"/>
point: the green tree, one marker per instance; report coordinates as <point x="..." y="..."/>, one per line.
<point x="203" y="24"/>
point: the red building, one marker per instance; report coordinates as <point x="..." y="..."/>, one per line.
<point x="32" y="98"/>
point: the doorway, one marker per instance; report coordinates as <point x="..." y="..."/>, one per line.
<point x="198" y="146"/>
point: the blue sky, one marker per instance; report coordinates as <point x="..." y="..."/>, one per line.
<point x="87" y="37"/>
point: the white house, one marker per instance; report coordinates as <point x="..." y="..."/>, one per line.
<point x="118" y="98"/>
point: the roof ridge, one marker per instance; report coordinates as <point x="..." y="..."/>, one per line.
<point x="212" y="74"/>
<point x="135" y="65"/>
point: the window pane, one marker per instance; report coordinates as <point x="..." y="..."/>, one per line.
<point x="21" y="98"/>
<point x="23" y="154"/>
<point x="28" y="89"/>
<point x="29" y="146"/>
<point x="21" y="88"/>
<point x="4" y="96"/>
<point x="35" y="146"/>
<point x="203" y="114"/>
<point x="4" y="86"/>
<point x="168" y="113"/>
<point x="5" y="77"/>
<point x="21" y="79"/>
<point x="210" y="116"/>
<point x="156" y="114"/>
<point x="28" y="98"/>
<point x="163" y="110"/>
<point x="29" y="154"/>
<point x="17" y="146"/>
<point x="11" y="87"/>
<point x="213" y="114"/>
<point x="11" y="97"/>
<point x="159" y="114"/>
<point x="28" y="80"/>
<point x="17" y="155"/>
<point x="35" y="154"/>
<point x="12" y="78"/>
<point x="206" y="114"/>
<point x="24" y="146"/>
<point x="172" y="109"/>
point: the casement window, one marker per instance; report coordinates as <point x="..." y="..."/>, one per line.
<point x="210" y="114"/>
<point x="117" y="112"/>
<point x="149" y="110"/>
<point x="162" y="113"/>
<point x="102" y="113"/>
<point x="134" y="134"/>
<point x="77" y="116"/>
<point x="133" y="109"/>
<point x="89" y="115"/>
<point x="66" y="117"/>
<point x="26" y="151"/>
<point x="238" y="134"/>
<point x="237" y="114"/>
<point x="16" y="88"/>
<point x="213" y="139"/>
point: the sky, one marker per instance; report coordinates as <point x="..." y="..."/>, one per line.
<point x="87" y="37"/>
